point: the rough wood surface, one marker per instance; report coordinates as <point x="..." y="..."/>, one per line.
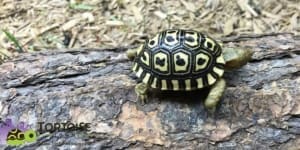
<point x="260" y="108"/>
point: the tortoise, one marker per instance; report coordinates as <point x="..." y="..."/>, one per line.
<point x="184" y="60"/>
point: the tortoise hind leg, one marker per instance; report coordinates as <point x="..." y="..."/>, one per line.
<point x="214" y="95"/>
<point x="141" y="90"/>
<point x="131" y="53"/>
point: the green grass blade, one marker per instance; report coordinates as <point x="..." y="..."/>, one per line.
<point x="12" y="38"/>
<point x="81" y="6"/>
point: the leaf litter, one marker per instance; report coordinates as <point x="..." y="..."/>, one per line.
<point x="118" y="23"/>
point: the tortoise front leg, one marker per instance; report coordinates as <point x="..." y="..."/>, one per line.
<point x="141" y="91"/>
<point x="215" y="95"/>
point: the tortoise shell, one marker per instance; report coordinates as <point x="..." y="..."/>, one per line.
<point x="179" y="60"/>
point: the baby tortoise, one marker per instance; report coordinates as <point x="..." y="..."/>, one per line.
<point x="184" y="60"/>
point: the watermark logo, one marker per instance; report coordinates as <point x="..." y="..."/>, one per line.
<point x="63" y="126"/>
<point x="16" y="135"/>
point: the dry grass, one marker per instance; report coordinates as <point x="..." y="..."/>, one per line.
<point x="50" y="24"/>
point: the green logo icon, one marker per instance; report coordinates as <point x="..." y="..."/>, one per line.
<point x="16" y="135"/>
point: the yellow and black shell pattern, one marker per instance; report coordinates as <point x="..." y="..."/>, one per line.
<point x="179" y="60"/>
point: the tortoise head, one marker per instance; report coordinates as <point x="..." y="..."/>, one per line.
<point x="236" y="58"/>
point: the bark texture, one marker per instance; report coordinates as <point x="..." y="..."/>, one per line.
<point x="260" y="108"/>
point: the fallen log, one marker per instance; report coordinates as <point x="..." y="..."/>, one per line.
<point x="260" y="108"/>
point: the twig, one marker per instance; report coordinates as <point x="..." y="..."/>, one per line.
<point x="246" y="37"/>
<point x="42" y="31"/>
<point x="14" y="12"/>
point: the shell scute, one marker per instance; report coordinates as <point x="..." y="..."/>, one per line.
<point x="179" y="60"/>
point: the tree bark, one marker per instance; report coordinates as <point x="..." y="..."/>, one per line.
<point x="260" y="108"/>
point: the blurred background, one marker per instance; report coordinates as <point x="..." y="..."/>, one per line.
<point x="34" y="25"/>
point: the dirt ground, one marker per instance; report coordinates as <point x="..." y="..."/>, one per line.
<point x="54" y="24"/>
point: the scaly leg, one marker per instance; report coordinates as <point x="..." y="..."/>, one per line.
<point x="131" y="53"/>
<point x="141" y="90"/>
<point x="214" y="95"/>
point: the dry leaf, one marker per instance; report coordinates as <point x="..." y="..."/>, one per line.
<point x="70" y="24"/>
<point x="137" y="13"/>
<point x="256" y="29"/>
<point x="270" y="15"/>
<point x="160" y="14"/>
<point x="189" y="6"/>
<point x="228" y="27"/>
<point x="89" y="17"/>
<point x="250" y="10"/>
<point x="114" y="23"/>
<point x="293" y="21"/>
<point x="117" y="18"/>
